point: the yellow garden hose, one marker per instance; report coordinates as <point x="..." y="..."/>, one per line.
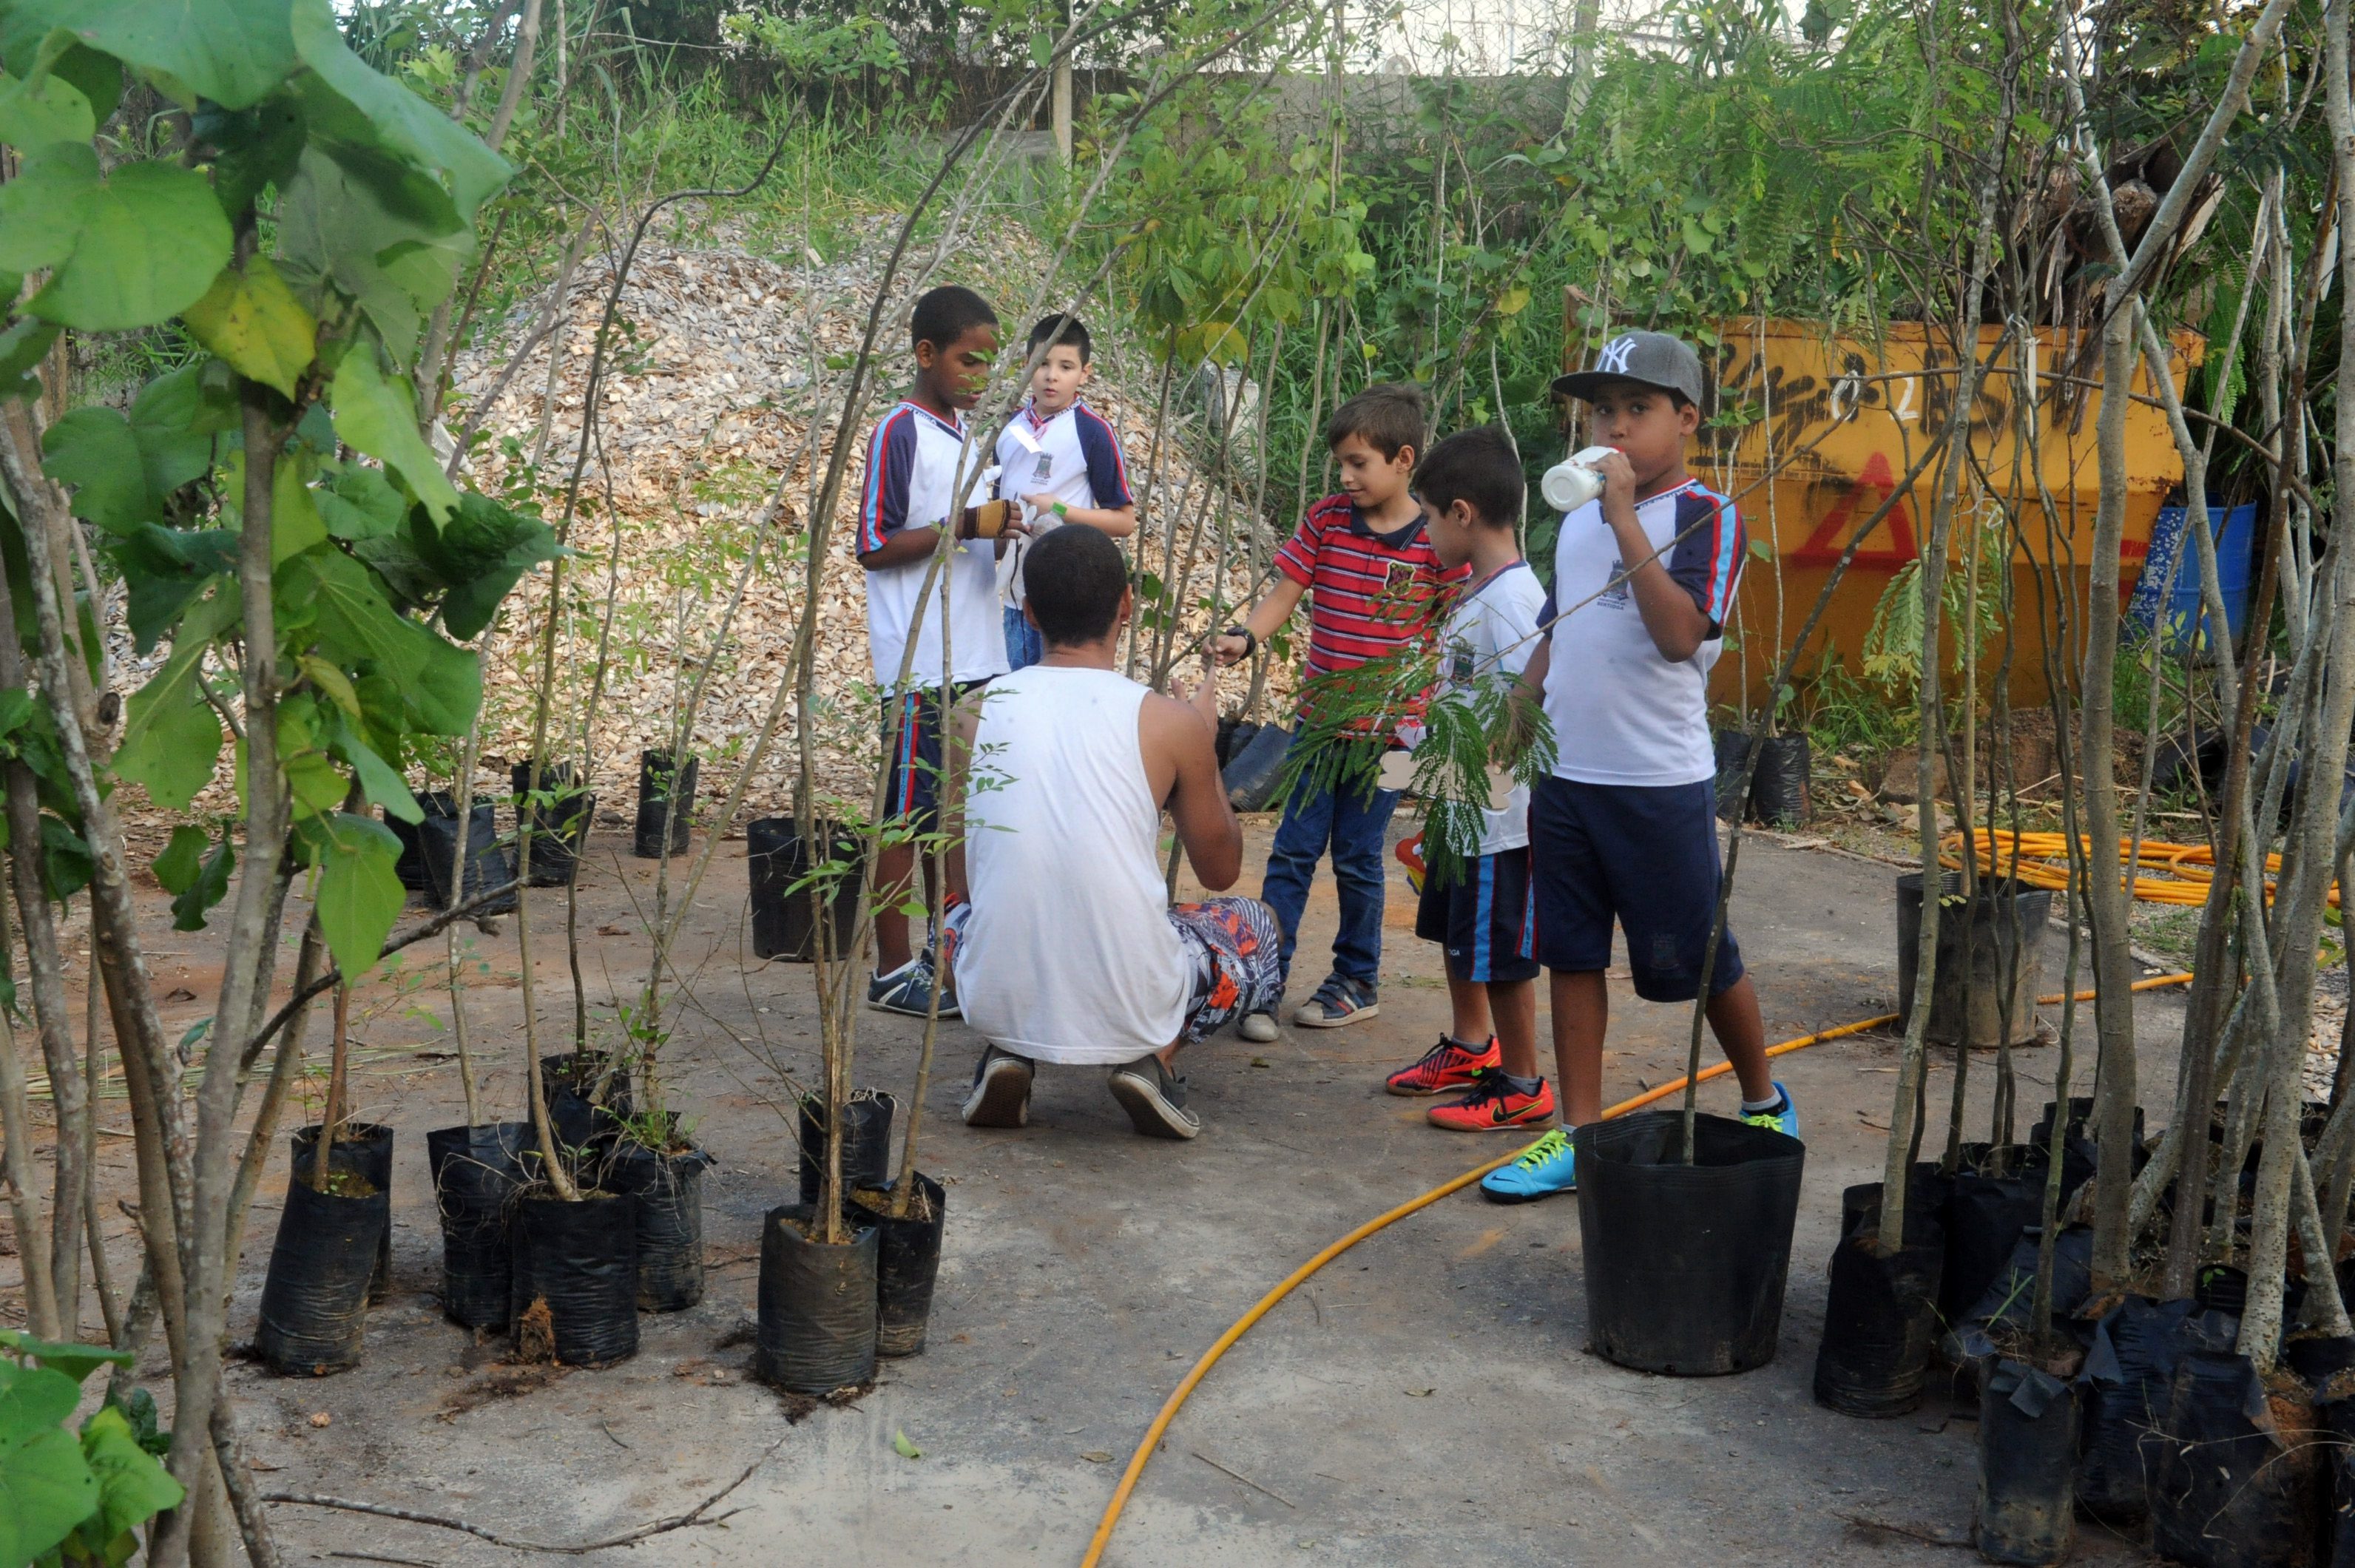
<point x="2162" y="873"/>
<point x="1293" y="1281"/>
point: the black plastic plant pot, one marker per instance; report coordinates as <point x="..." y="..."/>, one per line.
<point x="1732" y="748"/>
<point x="785" y="916"/>
<point x="2129" y="1369"/>
<point x="2336" y="1419"/>
<point x="866" y="1142"/>
<point x="1987" y="1214"/>
<point x="1998" y="937"/>
<point x="363" y="1149"/>
<point x="668" y="1187"/>
<point x="1686" y="1264"/>
<point x="574" y="1295"/>
<point x="2080" y="1119"/>
<point x="660" y="787"/>
<point x="314" y="1298"/>
<point x="588" y="1096"/>
<point x="907" y="1265"/>
<point x="2319" y="1358"/>
<point x="410" y="867"/>
<point x="489" y="863"/>
<point x="2028" y="1463"/>
<point x="1250" y="773"/>
<point x="1778" y="788"/>
<point x="559" y="822"/>
<point x="1882" y="1317"/>
<point x="817" y="1321"/>
<point x="2230" y="1491"/>
<point x="477" y="1172"/>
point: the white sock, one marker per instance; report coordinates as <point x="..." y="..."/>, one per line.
<point x="895" y="973"/>
<point x="1772" y="1103"/>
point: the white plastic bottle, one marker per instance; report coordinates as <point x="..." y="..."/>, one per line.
<point x="1574" y="481"/>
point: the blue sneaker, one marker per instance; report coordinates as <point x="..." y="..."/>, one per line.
<point x="1784" y="1120"/>
<point x="1547" y="1167"/>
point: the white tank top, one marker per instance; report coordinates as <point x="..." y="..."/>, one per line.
<point x="1069" y="956"/>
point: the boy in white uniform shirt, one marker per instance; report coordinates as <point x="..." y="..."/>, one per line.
<point x="1470" y="487"/>
<point x="908" y="498"/>
<point x="1062" y="462"/>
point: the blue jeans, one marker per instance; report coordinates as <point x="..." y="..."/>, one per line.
<point x="1024" y="646"/>
<point x="1353" y="822"/>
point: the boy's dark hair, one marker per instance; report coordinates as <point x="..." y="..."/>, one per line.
<point x="1074" y="576"/>
<point x="1388" y="417"/>
<point x="1060" y="329"/>
<point x="1477" y="466"/>
<point x="946" y="314"/>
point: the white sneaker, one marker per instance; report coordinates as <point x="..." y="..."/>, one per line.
<point x="1259" y="1028"/>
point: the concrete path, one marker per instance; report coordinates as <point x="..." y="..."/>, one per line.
<point x="1427" y="1399"/>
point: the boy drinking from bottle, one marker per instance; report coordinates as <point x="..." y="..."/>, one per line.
<point x="1624" y="832"/>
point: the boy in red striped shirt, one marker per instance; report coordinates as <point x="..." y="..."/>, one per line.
<point x="1373" y="581"/>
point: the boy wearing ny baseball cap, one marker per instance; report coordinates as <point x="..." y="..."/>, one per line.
<point x="1625" y="829"/>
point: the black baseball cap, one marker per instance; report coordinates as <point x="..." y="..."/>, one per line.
<point x="1655" y="358"/>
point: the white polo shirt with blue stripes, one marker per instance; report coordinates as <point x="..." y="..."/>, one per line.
<point x="1623" y="714"/>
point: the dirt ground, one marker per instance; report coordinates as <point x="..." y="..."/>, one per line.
<point x="1426" y="1399"/>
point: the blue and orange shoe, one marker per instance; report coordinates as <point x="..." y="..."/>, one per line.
<point x="1547" y="1167"/>
<point x="1495" y="1106"/>
<point x="1444" y="1066"/>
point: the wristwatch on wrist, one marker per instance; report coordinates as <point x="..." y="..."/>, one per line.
<point x="1249" y="637"/>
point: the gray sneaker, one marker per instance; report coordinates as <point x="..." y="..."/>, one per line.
<point x="1155" y="1098"/>
<point x="908" y="990"/>
<point x="1259" y="1028"/>
<point x="1001" y="1096"/>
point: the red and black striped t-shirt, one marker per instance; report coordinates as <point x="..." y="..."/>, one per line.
<point x="1369" y="593"/>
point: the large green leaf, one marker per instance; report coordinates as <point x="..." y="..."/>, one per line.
<point x="232" y="51"/>
<point x="375" y="415"/>
<point x="359" y="503"/>
<point x="171" y="737"/>
<point x="67" y="865"/>
<point x="32" y="1399"/>
<point x="253" y="149"/>
<point x="92" y="451"/>
<point x="335" y="227"/>
<point x="178" y="868"/>
<point x="360" y="893"/>
<point x="76" y="1361"/>
<point x="35" y="113"/>
<point x="480" y="553"/>
<point x="151" y="242"/>
<point x="133" y="1486"/>
<point x="251" y="319"/>
<point x="165" y="568"/>
<point x="41" y="211"/>
<point x="441" y="686"/>
<point x="22" y="348"/>
<point x="294" y="525"/>
<point x="178" y="418"/>
<point x="356" y="109"/>
<point x="383" y="782"/>
<point x="46" y="1489"/>
<point x="208" y="884"/>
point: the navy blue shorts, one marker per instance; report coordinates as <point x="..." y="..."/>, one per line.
<point x="912" y="755"/>
<point x="1644" y="857"/>
<point x="1485" y="918"/>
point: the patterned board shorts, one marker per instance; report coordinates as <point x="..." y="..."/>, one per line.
<point x="1232" y="943"/>
<point x="1231" y="946"/>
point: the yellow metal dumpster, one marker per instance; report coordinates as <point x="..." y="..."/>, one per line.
<point x="1834" y="422"/>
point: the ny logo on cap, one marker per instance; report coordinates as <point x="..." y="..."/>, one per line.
<point x="1613" y="360"/>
